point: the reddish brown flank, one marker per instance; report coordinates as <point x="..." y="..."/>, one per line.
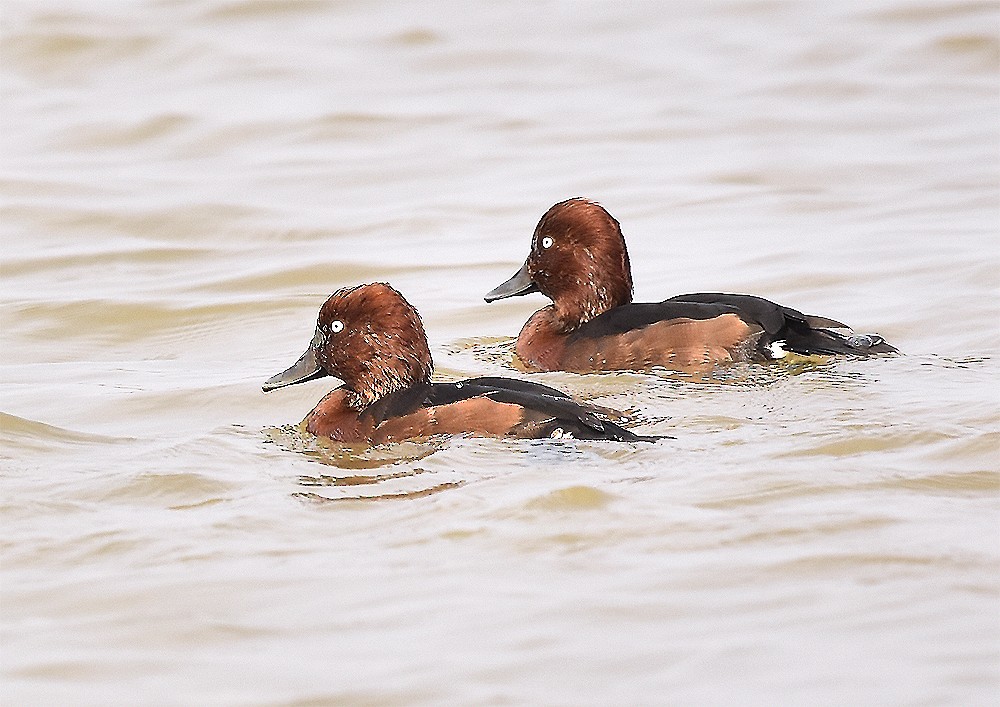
<point x="579" y="260"/>
<point x="372" y="339"/>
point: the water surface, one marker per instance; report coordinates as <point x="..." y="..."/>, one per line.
<point x="183" y="183"/>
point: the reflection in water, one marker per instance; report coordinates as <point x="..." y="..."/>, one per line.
<point x="372" y="479"/>
<point x="400" y="496"/>
<point x="294" y="438"/>
<point x="326" y="480"/>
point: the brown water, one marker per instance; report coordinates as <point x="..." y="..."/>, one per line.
<point x="182" y="183"/>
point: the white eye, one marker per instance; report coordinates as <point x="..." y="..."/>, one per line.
<point x="336" y="326"/>
<point x="547" y="242"/>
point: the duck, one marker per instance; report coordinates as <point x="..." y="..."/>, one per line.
<point x="579" y="260"/>
<point x="373" y="340"/>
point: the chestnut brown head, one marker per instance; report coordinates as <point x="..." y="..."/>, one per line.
<point x="578" y="259"/>
<point x="371" y="338"/>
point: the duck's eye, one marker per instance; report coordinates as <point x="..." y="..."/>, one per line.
<point x="547" y="242"/>
<point x="336" y="326"/>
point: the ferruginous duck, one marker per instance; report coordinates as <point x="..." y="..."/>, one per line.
<point x="578" y="260"/>
<point x="372" y="339"/>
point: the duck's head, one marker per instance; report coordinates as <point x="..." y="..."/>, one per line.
<point x="578" y="259"/>
<point x="371" y="338"/>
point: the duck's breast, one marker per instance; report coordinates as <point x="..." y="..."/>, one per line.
<point x="334" y="418"/>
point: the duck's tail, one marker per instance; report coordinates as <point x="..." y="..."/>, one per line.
<point x="619" y="433"/>
<point x="608" y="430"/>
<point x="827" y="342"/>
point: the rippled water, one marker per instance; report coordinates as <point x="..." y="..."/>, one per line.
<point x="182" y="183"/>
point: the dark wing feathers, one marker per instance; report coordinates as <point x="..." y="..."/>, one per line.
<point x="515" y="384"/>
<point x="824" y="323"/>
<point x="559" y="408"/>
<point x="628" y="317"/>
<point x="801" y="333"/>
<point x="772" y="317"/>
<point x="574" y="418"/>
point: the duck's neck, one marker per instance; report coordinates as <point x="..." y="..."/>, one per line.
<point x="572" y="311"/>
<point x="378" y="381"/>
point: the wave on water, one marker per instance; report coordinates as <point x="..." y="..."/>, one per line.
<point x="20" y="433"/>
